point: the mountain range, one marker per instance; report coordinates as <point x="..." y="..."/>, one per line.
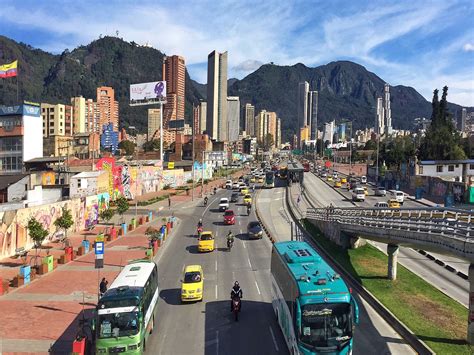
<point x="347" y="91"/>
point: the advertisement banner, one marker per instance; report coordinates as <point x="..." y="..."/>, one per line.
<point x="153" y="91"/>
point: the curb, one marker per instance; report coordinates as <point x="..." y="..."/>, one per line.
<point x="418" y="345"/>
<point x="443" y="264"/>
<point x="264" y="226"/>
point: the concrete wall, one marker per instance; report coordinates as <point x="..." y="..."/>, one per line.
<point x="17" y="191"/>
<point x="83" y="186"/>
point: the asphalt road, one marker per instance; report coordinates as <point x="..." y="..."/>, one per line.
<point x="208" y="327"/>
<point x="321" y="194"/>
<point x="373" y="335"/>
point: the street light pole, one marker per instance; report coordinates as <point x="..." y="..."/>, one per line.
<point x="350" y="152"/>
<point x="202" y="175"/>
<point x="161" y="133"/>
<point x="377" y="163"/>
<point x="192" y="186"/>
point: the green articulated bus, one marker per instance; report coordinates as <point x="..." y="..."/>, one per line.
<point x="314" y="307"/>
<point x="270" y="180"/>
<point x="125" y="315"/>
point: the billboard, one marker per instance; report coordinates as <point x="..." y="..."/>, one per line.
<point x="148" y="92"/>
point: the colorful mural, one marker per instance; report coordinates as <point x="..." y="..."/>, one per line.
<point x="91" y="215"/>
<point x="48" y="178"/>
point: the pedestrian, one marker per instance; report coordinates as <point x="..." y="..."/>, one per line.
<point x="169" y="202"/>
<point x="298" y="200"/>
<point x="103" y="286"/>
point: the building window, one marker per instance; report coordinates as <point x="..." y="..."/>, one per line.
<point x="439" y="168"/>
<point x="450" y="167"/>
<point x="471" y="166"/>
<point x="421" y="169"/>
<point x="51" y="131"/>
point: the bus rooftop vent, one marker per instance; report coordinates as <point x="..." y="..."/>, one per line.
<point x="135" y="268"/>
<point x="321" y="282"/>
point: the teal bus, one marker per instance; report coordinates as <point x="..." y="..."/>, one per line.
<point x="314" y="307"/>
<point x="125" y="314"/>
<point x="270" y="180"/>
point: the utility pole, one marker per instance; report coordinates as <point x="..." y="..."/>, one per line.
<point x="377" y="163"/>
<point x="202" y="175"/>
<point x="193" y="131"/>
<point x="350" y="152"/>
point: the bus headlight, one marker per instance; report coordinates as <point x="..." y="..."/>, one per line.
<point x="134" y="347"/>
<point x="101" y="350"/>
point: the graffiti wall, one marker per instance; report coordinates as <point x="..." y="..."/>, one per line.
<point x="173" y="178"/>
<point x="13" y="233"/>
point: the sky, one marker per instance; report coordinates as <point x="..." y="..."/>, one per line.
<point x="423" y="44"/>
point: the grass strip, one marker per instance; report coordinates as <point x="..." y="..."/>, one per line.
<point x="434" y="317"/>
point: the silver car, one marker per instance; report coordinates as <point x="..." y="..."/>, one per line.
<point x="380" y="191"/>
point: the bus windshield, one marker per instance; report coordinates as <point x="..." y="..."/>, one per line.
<point x="118" y="324"/>
<point x="326" y="325"/>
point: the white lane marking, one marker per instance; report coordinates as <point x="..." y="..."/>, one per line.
<point x="216" y="292"/>
<point x="248" y="259"/>
<point x="217" y="342"/>
<point x="273" y="337"/>
<point x="216" y="265"/>
<point x="217" y="232"/>
<point x="208" y="205"/>
<point x="239" y="222"/>
<point x="258" y="289"/>
<point x="244" y="245"/>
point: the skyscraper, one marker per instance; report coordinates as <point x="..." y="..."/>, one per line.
<point x="313" y="114"/>
<point x="250" y="120"/>
<point x="92" y="116"/>
<point x="380" y="121"/>
<point x="233" y="118"/>
<point x="278" y="134"/>
<point x="260" y="125"/>
<point x="174" y="72"/>
<point x="79" y="114"/>
<point x="463" y="119"/>
<point x="387" y="110"/>
<point x="108" y="107"/>
<point x="202" y="116"/>
<point x="153" y="123"/>
<point x="302" y="104"/>
<point x="216" y="121"/>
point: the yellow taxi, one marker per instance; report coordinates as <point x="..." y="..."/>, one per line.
<point x="337" y="183"/>
<point x="392" y="203"/>
<point x="244" y="191"/>
<point x="329" y="178"/>
<point x="343" y="180"/>
<point x="260" y="180"/>
<point x="206" y="242"/>
<point x="192" y="285"/>
<point x="247" y="199"/>
<point x="366" y="191"/>
<point x="252" y="179"/>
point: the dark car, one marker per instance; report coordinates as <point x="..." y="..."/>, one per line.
<point x="234" y="197"/>
<point x="254" y="230"/>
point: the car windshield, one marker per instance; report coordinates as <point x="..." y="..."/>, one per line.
<point x="254" y="225"/>
<point x="228" y="213"/>
<point x="206" y="236"/>
<point x="326" y="325"/>
<point x="118" y="324"/>
<point x="192" y="277"/>
<point x="224" y="200"/>
<point x="248" y="196"/>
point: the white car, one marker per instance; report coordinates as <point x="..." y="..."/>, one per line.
<point x="228" y="184"/>
<point x="358" y="194"/>
<point x="224" y="204"/>
<point x="399" y="196"/>
<point x="235" y="185"/>
<point x="363" y="179"/>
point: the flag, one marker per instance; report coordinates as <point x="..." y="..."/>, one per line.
<point x="9" y="70"/>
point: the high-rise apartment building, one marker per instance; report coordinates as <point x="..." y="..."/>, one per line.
<point x="153" y="123"/>
<point x="20" y="136"/>
<point x="387" y="110"/>
<point x="57" y="120"/>
<point x="250" y="119"/>
<point x="108" y="107"/>
<point x="380" y="123"/>
<point x="272" y="125"/>
<point x="79" y="114"/>
<point x="329" y="128"/>
<point x="302" y="104"/>
<point x="260" y="125"/>
<point x="202" y="116"/>
<point x="174" y="72"/>
<point x="278" y="134"/>
<point x="216" y="123"/>
<point x="313" y="114"/>
<point x="233" y="118"/>
<point x="92" y="117"/>
<point x="463" y="119"/>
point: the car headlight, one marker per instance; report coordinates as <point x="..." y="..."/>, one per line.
<point x="134" y="347"/>
<point x="183" y="292"/>
<point x="199" y="290"/>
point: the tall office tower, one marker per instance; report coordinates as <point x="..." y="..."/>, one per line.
<point x="387" y="110"/>
<point x="329" y="132"/>
<point x="261" y="125"/>
<point x="233" y="118"/>
<point x="463" y="119"/>
<point x="278" y="134"/>
<point x="57" y="120"/>
<point x="196" y="120"/>
<point x="153" y="123"/>
<point x="313" y="114"/>
<point x="92" y="116"/>
<point x="202" y="116"/>
<point x="216" y="122"/>
<point x="174" y="73"/>
<point x="302" y="104"/>
<point x="380" y="123"/>
<point x="271" y="122"/>
<point x="79" y="114"/>
<point x="108" y="107"/>
<point x="250" y="120"/>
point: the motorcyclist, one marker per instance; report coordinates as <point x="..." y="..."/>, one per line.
<point x="205" y="201"/>
<point x="200" y="223"/>
<point x="236" y="291"/>
<point x="215" y="190"/>
<point x="230" y="238"/>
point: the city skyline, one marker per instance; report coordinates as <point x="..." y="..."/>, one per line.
<point x="369" y="34"/>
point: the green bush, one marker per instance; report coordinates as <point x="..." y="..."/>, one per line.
<point x="166" y="187"/>
<point x="190" y="181"/>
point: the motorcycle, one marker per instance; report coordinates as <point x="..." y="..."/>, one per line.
<point x="230" y="243"/>
<point x="205" y="201"/>
<point x="199" y="231"/>
<point x="236" y="307"/>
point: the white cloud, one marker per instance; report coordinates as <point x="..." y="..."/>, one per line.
<point x="468" y="47"/>
<point x="248" y="66"/>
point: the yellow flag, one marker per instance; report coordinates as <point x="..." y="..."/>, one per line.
<point x="9" y="70"/>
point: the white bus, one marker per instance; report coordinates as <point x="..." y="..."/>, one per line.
<point x="126" y="312"/>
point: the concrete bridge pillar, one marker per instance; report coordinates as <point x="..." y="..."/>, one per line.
<point x="392" y="251"/>
<point x="470" y="319"/>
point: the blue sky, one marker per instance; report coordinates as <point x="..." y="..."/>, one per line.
<point x="424" y="44"/>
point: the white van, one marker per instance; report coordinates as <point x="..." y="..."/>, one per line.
<point x="358" y="194"/>
<point x="399" y="196"/>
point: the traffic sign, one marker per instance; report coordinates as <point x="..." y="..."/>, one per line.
<point x="99" y="248"/>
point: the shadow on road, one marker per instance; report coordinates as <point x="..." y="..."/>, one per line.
<point x="171" y="296"/>
<point x="192" y="249"/>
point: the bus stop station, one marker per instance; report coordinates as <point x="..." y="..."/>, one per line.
<point x="295" y="172"/>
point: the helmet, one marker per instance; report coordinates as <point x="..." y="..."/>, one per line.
<point x="236" y="283"/>
<point x="200" y="220"/>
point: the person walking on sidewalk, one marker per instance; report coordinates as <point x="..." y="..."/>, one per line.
<point x="103" y="286"/>
<point x="169" y="202"/>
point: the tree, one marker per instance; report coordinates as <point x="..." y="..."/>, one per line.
<point x="371" y="145"/>
<point x="127" y="146"/>
<point x="37" y="233"/>
<point x="122" y="206"/>
<point x="65" y="221"/>
<point x="153" y="145"/>
<point x="107" y="214"/>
